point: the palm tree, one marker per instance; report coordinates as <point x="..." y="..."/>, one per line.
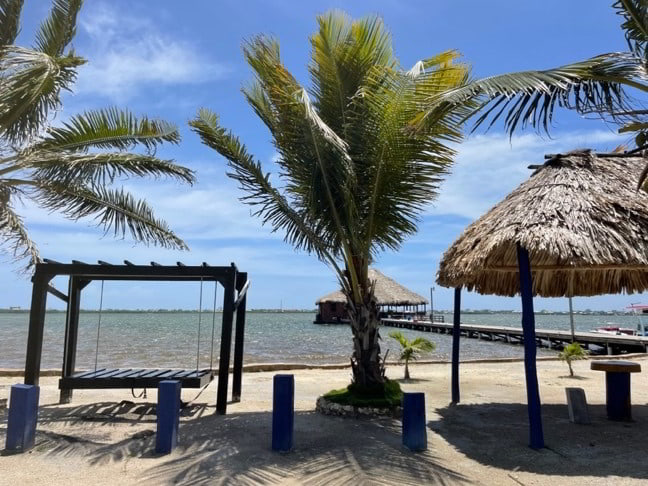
<point x="410" y="349"/>
<point x="363" y="150"/>
<point x="572" y="352"/>
<point x="56" y="166"/>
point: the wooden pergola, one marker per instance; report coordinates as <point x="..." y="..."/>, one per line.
<point x="234" y="282"/>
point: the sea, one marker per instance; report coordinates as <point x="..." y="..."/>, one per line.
<point x="170" y="339"/>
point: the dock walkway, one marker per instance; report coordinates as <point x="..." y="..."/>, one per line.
<point x="612" y="343"/>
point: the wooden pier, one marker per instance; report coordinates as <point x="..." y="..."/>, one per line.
<point x="554" y="339"/>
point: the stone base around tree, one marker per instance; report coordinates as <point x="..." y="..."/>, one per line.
<point x="327" y="407"/>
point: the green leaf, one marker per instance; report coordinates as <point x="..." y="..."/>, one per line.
<point x="9" y="20"/>
<point x="101" y="168"/>
<point x="58" y="30"/>
<point x="13" y="233"/>
<point x="114" y="210"/>
<point x="110" y="128"/>
<point x="635" y="24"/>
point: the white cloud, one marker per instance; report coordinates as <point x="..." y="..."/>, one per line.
<point x="128" y="53"/>
<point x="490" y="166"/>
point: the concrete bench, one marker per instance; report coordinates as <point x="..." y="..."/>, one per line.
<point x="617" y="386"/>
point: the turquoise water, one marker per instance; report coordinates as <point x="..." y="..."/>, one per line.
<point x="170" y="339"/>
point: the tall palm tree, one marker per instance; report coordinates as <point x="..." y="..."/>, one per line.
<point x="362" y="151"/>
<point x="66" y="168"/>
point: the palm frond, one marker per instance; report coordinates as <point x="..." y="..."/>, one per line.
<point x="423" y="345"/>
<point x="30" y="90"/>
<point x="13" y="233"/>
<point x="114" y="210"/>
<point x="59" y="28"/>
<point x="530" y="97"/>
<point x="110" y="128"/>
<point x="270" y="204"/>
<point x="400" y="337"/>
<point x="635" y="24"/>
<point x="10" y="11"/>
<point x="101" y="168"/>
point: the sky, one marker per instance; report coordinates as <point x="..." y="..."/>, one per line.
<point x="166" y="59"/>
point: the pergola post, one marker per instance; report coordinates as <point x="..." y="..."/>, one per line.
<point x="456" y="335"/>
<point x="528" y="328"/>
<point x="226" y="342"/>
<point x="238" y="341"/>
<point x="71" y="334"/>
<point x="36" y="327"/>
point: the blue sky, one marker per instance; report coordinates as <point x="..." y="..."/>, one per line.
<point x="166" y="59"/>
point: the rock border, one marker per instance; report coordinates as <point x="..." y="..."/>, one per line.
<point x="327" y="407"/>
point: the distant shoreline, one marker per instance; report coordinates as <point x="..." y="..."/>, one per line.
<point x="312" y="311"/>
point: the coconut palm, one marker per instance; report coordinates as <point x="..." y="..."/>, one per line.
<point x="362" y="151"/>
<point x="410" y="350"/>
<point x="572" y="352"/>
<point x="66" y="168"/>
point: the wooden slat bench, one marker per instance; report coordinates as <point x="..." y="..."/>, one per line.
<point x="134" y="378"/>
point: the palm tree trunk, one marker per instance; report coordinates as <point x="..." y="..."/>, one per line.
<point x="366" y="363"/>
<point x="407" y="375"/>
<point x="571" y="371"/>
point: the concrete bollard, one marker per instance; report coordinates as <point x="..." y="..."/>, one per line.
<point x="577" y="406"/>
<point x="283" y="412"/>
<point x="414" y="426"/>
<point x="168" y="416"/>
<point x="23" y="416"/>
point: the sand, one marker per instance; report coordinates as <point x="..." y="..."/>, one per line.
<point x="101" y="439"/>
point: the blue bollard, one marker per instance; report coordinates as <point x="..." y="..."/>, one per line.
<point x="23" y="416"/>
<point x="283" y="412"/>
<point x="168" y="416"/>
<point x="414" y="431"/>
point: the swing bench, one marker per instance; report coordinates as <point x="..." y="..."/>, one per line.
<point x="80" y="274"/>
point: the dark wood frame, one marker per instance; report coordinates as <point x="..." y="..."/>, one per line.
<point x="81" y="274"/>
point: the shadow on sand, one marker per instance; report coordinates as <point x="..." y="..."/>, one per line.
<point x="496" y="434"/>
<point x="235" y="448"/>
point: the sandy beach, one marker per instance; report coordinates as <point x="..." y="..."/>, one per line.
<point x="107" y="437"/>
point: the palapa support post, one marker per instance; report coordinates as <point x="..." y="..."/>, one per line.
<point x="168" y="416"/>
<point x="414" y="427"/>
<point x="226" y="341"/>
<point x="23" y="417"/>
<point x="283" y="412"/>
<point x="238" y="342"/>
<point x="456" y="335"/>
<point x="528" y="328"/>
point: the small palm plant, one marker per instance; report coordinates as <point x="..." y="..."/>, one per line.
<point x="572" y="352"/>
<point x="410" y="349"/>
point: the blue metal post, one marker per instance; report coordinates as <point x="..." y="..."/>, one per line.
<point x="528" y="328"/>
<point x="23" y="416"/>
<point x="617" y="390"/>
<point x="414" y="431"/>
<point x="456" y="334"/>
<point x="283" y="412"/>
<point x="168" y="416"/>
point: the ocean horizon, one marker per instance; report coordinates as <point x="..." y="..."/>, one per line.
<point x="170" y="339"/>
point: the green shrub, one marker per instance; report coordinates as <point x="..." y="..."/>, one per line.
<point x="377" y="396"/>
<point x="572" y="352"/>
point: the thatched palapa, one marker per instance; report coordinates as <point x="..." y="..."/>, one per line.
<point x="581" y="219"/>
<point x="388" y="292"/>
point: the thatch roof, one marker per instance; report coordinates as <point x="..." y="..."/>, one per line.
<point x="580" y="217"/>
<point x="388" y="292"/>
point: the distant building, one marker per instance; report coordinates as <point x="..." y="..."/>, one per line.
<point x="393" y="299"/>
<point x="15" y="308"/>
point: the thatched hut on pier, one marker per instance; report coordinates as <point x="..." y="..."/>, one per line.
<point x="393" y="299"/>
<point x="577" y="226"/>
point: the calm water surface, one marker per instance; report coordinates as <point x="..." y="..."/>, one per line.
<point x="171" y="339"/>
